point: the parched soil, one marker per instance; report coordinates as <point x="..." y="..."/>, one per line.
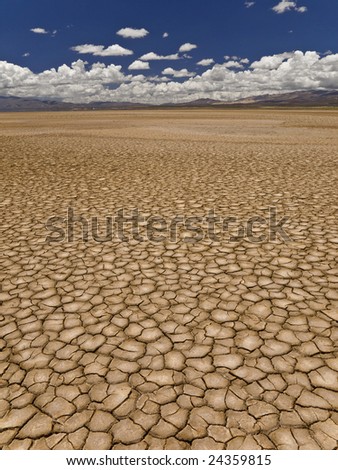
<point x="221" y="339"/>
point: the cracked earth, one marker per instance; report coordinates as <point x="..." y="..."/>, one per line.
<point x="145" y="344"/>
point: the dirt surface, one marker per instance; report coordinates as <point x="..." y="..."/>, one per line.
<point x="171" y="342"/>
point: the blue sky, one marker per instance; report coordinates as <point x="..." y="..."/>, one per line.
<point x="41" y="35"/>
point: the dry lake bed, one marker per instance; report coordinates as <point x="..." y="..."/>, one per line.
<point x="169" y="279"/>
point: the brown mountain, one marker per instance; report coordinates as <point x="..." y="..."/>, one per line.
<point x="312" y="98"/>
<point x="296" y="98"/>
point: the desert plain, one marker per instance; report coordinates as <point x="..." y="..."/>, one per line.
<point x="163" y="340"/>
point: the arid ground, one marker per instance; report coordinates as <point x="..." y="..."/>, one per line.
<point x="221" y="339"/>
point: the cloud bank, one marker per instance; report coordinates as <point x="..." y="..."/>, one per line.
<point x="82" y="83"/>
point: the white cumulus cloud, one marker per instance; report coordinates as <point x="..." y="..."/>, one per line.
<point x="183" y="73"/>
<point x="249" y="4"/>
<point x="139" y="65"/>
<point x="205" y="62"/>
<point x="286" y="5"/>
<point x="187" y="47"/>
<point x="154" y="56"/>
<point x="231" y="57"/>
<point x="271" y="62"/>
<point x="132" y="33"/>
<point x="233" y="64"/>
<point x="39" y="30"/>
<point x="113" y="50"/>
<point x="165" y="35"/>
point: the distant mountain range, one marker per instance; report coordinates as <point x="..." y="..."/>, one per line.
<point x="9" y="103"/>
<point x="295" y="99"/>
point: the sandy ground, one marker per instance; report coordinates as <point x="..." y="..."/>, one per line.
<point x="169" y="343"/>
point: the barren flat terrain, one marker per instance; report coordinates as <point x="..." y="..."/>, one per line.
<point x="189" y="333"/>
